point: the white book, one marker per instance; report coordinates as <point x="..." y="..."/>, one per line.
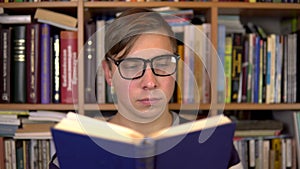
<point x="188" y="86"/>
<point x="207" y="53"/>
<point x="15" y="19"/>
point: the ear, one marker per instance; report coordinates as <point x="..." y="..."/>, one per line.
<point x="107" y="72"/>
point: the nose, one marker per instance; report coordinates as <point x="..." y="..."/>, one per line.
<point x="149" y="80"/>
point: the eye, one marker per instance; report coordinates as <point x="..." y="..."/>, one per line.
<point x="131" y="64"/>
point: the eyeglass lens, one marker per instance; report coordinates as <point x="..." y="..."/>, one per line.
<point x="164" y="65"/>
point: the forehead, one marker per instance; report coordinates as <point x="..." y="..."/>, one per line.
<point x="151" y="45"/>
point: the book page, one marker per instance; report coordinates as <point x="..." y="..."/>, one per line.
<point x="97" y="128"/>
<point x="193" y="126"/>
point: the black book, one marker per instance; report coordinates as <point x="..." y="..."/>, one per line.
<point x="90" y="63"/>
<point x="19" y="64"/>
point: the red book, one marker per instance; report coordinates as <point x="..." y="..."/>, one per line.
<point x="2" y="153"/>
<point x="33" y="63"/>
<point x="69" y="67"/>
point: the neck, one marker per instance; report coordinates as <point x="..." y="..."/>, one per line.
<point x="164" y="121"/>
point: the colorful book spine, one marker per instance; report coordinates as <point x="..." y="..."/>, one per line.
<point x="180" y="51"/>
<point x="45" y="64"/>
<point x="33" y="62"/>
<point x="5" y="66"/>
<point x="237" y="55"/>
<point x="221" y="51"/>
<point x="245" y="64"/>
<point x="227" y="67"/>
<point x="19" y="64"/>
<point x="256" y="69"/>
<point x="56" y="69"/>
<point x="69" y="65"/>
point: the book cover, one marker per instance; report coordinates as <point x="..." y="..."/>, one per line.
<point x="5" y="66"/>
<point x="45" y="64"/>
<point x="90" y="63"/>
<point x="69" y="66"/>
<point x="56" y="19"/>
<point x="84" y="142"/>
<point x="19" y="64"/>
<point x="33" y="63"/>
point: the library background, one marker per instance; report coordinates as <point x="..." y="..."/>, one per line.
<point x="49" y="61"/>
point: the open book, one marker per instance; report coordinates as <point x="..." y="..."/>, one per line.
<point x="83" y="142"/>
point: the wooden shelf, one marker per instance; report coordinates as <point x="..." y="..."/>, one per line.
<point x="23" y="5"/>
<point x="107" y="4"/>
<point x="211" y="9"/>
<point x="232" y="106"/>
<point x="38" y="107"/>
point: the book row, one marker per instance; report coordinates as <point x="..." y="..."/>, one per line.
<point x="38" y="64"/>
<point x="275" y="153"/>
<point x="261" y="70"/>
<point x="25" y="154"/>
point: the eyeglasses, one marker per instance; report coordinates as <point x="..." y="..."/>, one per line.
<point x="134" y="68"/>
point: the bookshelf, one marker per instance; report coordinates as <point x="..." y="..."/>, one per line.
<point x="210" y="9"/>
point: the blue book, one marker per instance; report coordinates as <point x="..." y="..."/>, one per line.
<point x="221" y="71"/>
<point x="84" y="142"/>
<point x="256" y="62"/>
<point x="45" y="64"/>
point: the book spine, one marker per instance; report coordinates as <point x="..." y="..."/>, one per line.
<point x="2" y="153"/>
<point x="298" y="67"/>
<point x="45" y="63"/>
<point x="221" y="50"/>
<point x="227" y="67"/>
<point x="5" y="57"/>
<point x="237" y="55"/>
<point x="245" y="64"/>
<point x="68" y="54"/>
<point x="256" y="70"/>
<point x="56" y="69"/>
<point x="19" y="65"/>
<point x="33" y="64"/>
<point x="180" y="51"/>
<point x="101" y="92"/>
<point x="90" y="63"/>
<point x="8" y="157"/>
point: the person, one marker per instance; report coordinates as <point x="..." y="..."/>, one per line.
<point x="140" y="66"/>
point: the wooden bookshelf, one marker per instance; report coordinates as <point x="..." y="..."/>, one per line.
<point x="210" y="9"/>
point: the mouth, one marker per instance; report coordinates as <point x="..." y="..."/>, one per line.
<point x="149" y="101"/>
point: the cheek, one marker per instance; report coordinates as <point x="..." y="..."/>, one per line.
<point x="168" y="85"/>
